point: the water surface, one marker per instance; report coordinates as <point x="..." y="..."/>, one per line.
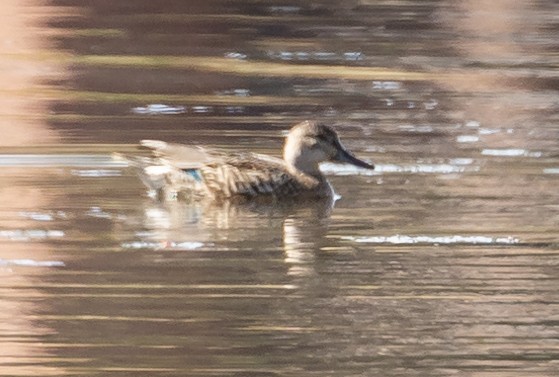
<point x="441" y="261"/>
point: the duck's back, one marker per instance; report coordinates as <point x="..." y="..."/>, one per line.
<point x="252" y="175"/>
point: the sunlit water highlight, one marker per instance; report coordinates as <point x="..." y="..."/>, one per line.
<point x="436" y="240"/>
<point x="30" y="234"/>
<point x="49" y="160"/>
<point x="30" y="263"/>
<point x="457" y="167"/>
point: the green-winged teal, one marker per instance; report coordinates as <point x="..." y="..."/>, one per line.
<point x="195" y="172"/>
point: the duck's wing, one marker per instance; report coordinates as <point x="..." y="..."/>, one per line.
<point x="171" y="168"/>
<point x="179" y="155"/>
<point x="251" y="175"/>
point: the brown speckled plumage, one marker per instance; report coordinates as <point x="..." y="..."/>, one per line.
<point x="250" y="175"/>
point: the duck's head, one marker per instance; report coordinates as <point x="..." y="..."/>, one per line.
<point x="310" y="143"/>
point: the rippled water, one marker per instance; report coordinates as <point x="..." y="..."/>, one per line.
<point x="444" y="260"/>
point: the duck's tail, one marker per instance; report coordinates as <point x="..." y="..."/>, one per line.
<point x="162" y="179"/>
<point x="150" y="170"/>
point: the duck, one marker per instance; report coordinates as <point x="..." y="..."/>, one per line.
<point x="194" y="172"/>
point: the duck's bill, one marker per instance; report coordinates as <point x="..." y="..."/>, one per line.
<point x="345" y="157"/>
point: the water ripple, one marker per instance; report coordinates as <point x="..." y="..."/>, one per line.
<point x="434" y="240"/>
<point x="37" y="216"/>
<point x="335" y="169"/>
<point x="45" y="160"/>
<point x="96" y="173"/>
<point x="30" y="263"/>
<point x="467" y="139"/>
<point x="159" y="109"/>
<point x="162" y="245"/>
<point x="30" y="234"/>
<point x="513" y="152"/>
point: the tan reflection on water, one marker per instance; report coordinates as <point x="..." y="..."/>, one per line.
<point x="495" y="39"/>
<point x="304" y="233"/>
<point x="22" y="110"/>
<point x="22" y="121"/>
<point x="22" y="353"/>
<point x="491" y="28"/>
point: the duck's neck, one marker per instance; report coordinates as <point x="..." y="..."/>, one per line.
<point x="298" y="161"/>
<point x="309" y="175"/>
<point x="297" y="164"/>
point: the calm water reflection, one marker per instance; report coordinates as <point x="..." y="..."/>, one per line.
<point x="442" y="261"/>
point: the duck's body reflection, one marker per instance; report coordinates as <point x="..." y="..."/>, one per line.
<point x="297" y="228"/>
